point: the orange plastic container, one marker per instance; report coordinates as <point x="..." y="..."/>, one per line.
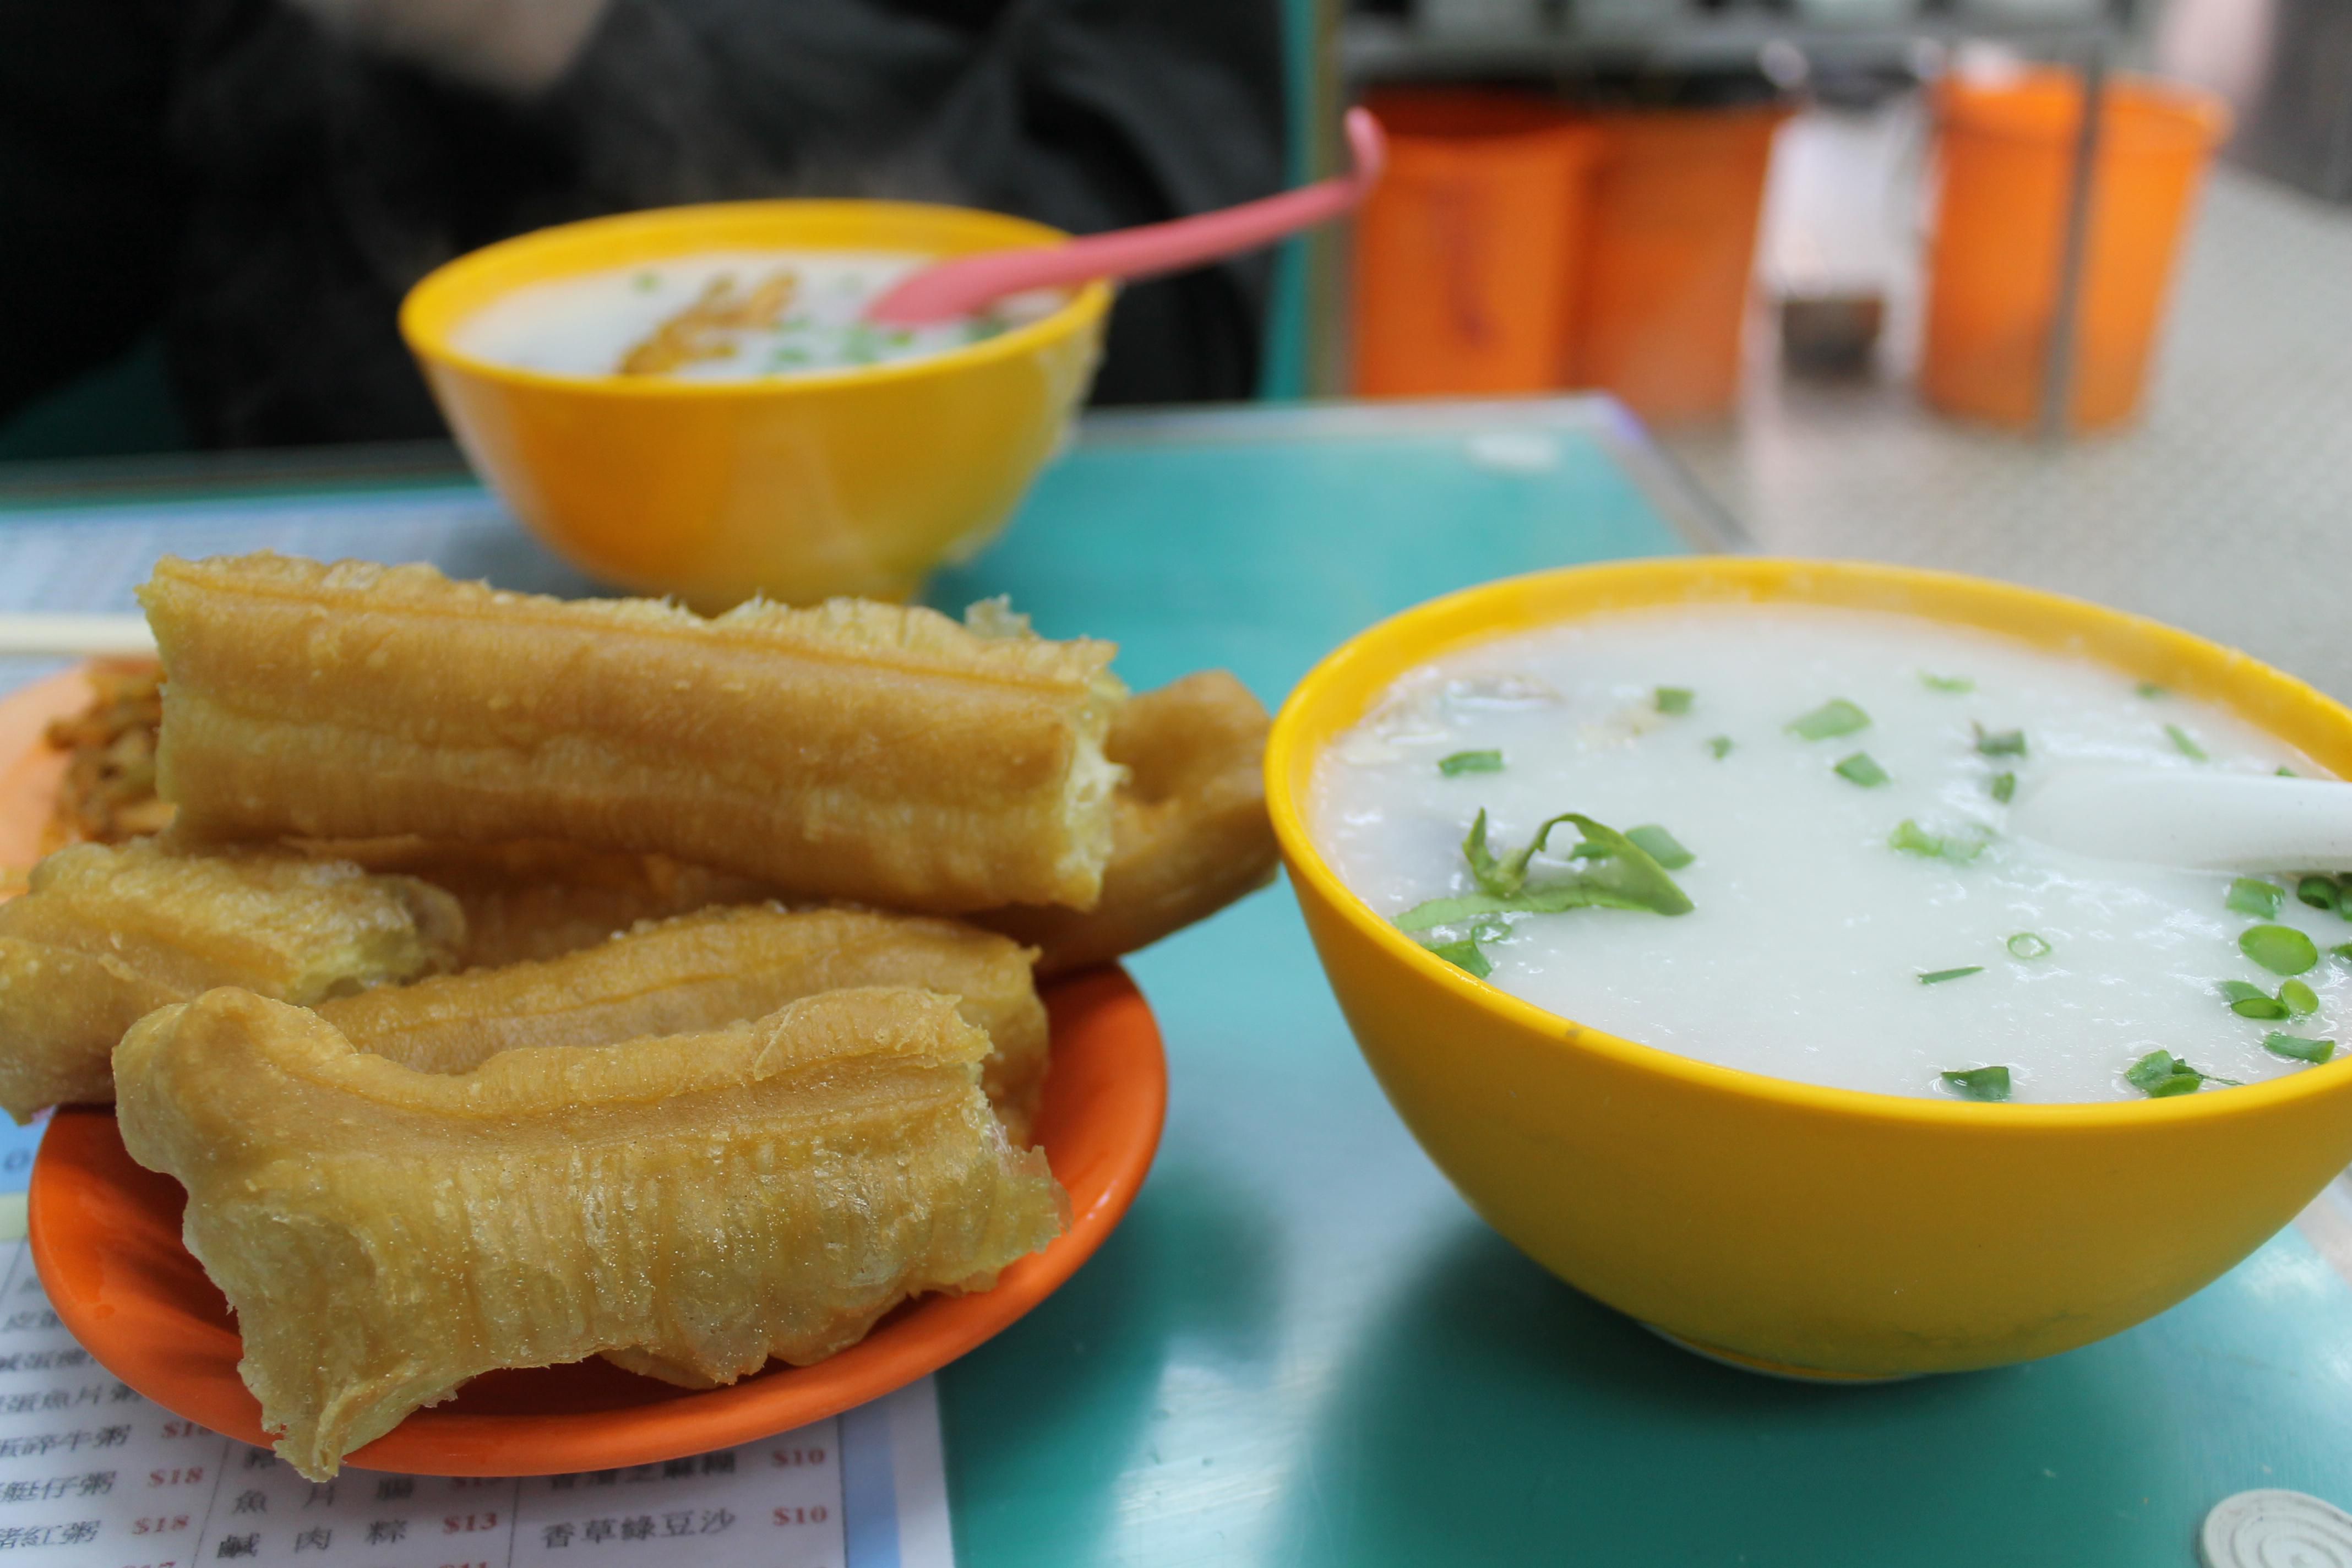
<point x="2007" y="157"/>
<point x="1674" y="203"/>
<point x="1467" y="253"/>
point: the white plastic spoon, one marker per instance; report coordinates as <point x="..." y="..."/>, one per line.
<point x="2207" y="821"/>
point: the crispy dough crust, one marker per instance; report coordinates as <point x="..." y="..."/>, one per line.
<point x="868" y="752"/>
<point x="1191" y="833"/>
<point x="710" y="1200"/>
<point x="109" y="932"/>
<point x="701" y="971"/>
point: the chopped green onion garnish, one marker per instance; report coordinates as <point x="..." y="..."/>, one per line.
<point x="1862" y="769"/>
<point x="2184" y="745"/>
<point x="1938" y="976"/>
<point x="2027" y="944"/>
<point x="1661" y="845"/>
<point x="1627" y="878"/>
<point x="2252" y="895"/>
<point x="2320" y="892"/>
<point x="646" y="283"/>
<point x="1721" y="746"/>
<point x="1832" y="719"/>
<point x="1979" y="1083"/>
<point x="2296" y="1048"/>
<point x="1673" y="699"/>
<point x="2005" y="743"/>
<point x="2282" y="949"/>
<point x="2342" y="950"/>
<point x="1464" y="955"/>
<point x="2301" y="1000"/>
<point x="1461" y="763"/>
<point x="2160" y="1075"/>
<point x="1913" y="840"/>
<point x="1946" y="683"/>
<point x="2150" y="690"/>
<point x="2250" y="1001"/>
<point x="2004" y="787"/>
<point x="2284" y="774"/>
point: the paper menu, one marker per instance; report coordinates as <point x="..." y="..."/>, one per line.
<point x="93" y="1476"/>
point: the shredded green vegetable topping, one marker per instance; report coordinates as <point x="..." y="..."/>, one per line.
<point x="1832" y="719"/>
<point x="2149" y="689"/>
<point x="1620" y="875"/>
<point x="2252" y="895"/>
<point x="1938" y="976"/>
<point x="2159" y="1075"/>
<point x="2184" y="745"/>
<point x="1955" y="683"/>
<point x="2028" y="944"/>
<point x="2320" y="892"/>
<point x="2004" y="787"/>
<point x="2005" y="743"/>
<point x="2300" y="1000"/>
<point x="1464" y="955"/>
<point x="1979" y="1083"/>
<point x="2297" y="1048"/>
<point x="1721" y="746"/>
<point x="2282" y="949"/>
<point x="1661" y="845"/>
<point x="1861" y="768"/>
<point x="1461" y="763"/>
<point x="1673" y="699"/>
<point x="1914" y="839"/>
<point x="2250" y="1001"/>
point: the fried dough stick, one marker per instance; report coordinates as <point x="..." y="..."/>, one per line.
<point x="108" y="934"/>
<point x="1191" y="834"/>
<point x="707" y="1200"/>
<point x="540" y="900"/>
<point x="698" y="972"/>
<point x="867" y="752"/>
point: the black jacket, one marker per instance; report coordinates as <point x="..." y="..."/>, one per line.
<point x="265" y="192"/>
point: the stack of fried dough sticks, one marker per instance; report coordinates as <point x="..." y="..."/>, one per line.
<point x="519" y="979"/>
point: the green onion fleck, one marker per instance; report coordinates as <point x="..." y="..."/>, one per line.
<point x="1938" y="976"/>
<point x="2159" y="1075"/>
<point x="2284" y="774"/>
<point x="1461" y="763"/>
<point x="2342" y="950"/>
<point x="1721" y="746"/>
<point x="2300" y="1000"/>
<point x="2004" y="787"/>
<point x="1672" y="698"/>
<point x="1979" y="1083"/>
<point x="2282" y="949"/>
<point x="646" y="283"/>
<point x="2297" y="1049"/>
<point x="2028" y="944"/>
<point x="2320" y="892"/>
<point x="2250" y="1001"/>
<point x="2005" y="743"/>
<point x="1946" y="683"/>
<point x="1661" y="845"/>
<point x="1862" y="769"/>
<point x="1914" y="839"/>
<point x="1464" y="955"/>
<point x="2184" y="745"/>
<point x="1832" y="719"/>
<point x="2252" y="895"/>
<point x="2150" y="690"/>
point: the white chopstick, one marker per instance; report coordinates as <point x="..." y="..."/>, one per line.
<point x="86" y="636"/>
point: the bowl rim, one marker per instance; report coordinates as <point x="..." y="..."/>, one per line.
<point x="1426" y="630"/>
<point x="670" y="231"/>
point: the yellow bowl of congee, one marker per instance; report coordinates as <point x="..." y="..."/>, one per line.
<point x="1672" y="903"/>
<point x="689" y="402"/>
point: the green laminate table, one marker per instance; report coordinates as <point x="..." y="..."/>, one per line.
<point x="1301" y="1348"/>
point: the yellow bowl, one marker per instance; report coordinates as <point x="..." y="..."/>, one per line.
<point x="853" y="481"/>
<point x="1791" y="1227"/>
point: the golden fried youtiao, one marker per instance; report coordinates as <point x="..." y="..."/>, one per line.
<point x="107" y="934"/>
<point x="875" y="753"/>
<point x="1190" y="833"/>
<point x="697" y="972"/>
<point x="702" y="1201"/>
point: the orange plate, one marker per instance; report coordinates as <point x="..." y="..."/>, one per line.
<point x="106" y="1238"/>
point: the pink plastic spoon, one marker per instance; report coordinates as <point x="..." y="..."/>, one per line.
<point x="968" y="283"/>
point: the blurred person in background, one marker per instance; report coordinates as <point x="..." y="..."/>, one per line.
<point x="262" y="180"/>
